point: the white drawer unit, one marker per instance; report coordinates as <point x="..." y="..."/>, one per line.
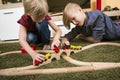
<point x="8" y="23"/>
<point x="62" y="27"/>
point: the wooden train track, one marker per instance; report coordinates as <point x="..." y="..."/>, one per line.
<point x="80" y="65"/>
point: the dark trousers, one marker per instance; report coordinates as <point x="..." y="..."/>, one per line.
<point x="42" y="34"/>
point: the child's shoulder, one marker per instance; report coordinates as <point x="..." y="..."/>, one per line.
<point x="93" y="15"/>
<point x="25" y="17"/>
<point x="96" y="12"/>
<point x="47" y="18"/>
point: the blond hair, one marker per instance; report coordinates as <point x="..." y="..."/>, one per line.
<point x="69" y="7"/>
<point x="35" y="8"/>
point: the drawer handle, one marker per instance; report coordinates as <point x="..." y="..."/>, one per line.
<point x="9" y="13"/>
<point x="60" y="25"/>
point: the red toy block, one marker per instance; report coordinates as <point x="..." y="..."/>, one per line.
<point x="56" y="49"/>
<point x="66" y="47"/>
<point x="25" y="52"/>
<point x="37" y="62"/>
<point x="33" y="47"/>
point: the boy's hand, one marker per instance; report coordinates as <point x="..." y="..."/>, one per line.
<point x="65" y="41"/>
<point x="55" y="42"/>
<point x="39" y="58"/>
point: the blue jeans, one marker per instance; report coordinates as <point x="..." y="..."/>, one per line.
<point x="42" y="34"/>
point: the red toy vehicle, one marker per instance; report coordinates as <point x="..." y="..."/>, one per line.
<point x="37" y="62"/>
<point x="66" y="47"/>
<point x="25" y="52"/>
<point x="56" y="49"/>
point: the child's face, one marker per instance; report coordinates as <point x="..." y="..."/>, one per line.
<point x="77" y="16"/>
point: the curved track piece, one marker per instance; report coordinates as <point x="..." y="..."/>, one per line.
<point x="96" y="65"/>
<point x="98" y="44"/>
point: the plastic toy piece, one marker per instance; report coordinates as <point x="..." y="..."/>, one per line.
<point x="25" y="52"/>
<point x="47" y="56"/>
<point x="56" y="49"/>
<point x="37" y="62"/>
<point x="66" y="47"/>
<point x="75" y="47"/>
<point x="33" y="47"/>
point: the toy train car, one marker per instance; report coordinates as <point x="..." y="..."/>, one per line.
<point x="56" y="49"/>
<point x="72" y="47"/>
<point x="47" y="56"/>
<point x="75" y="47"/>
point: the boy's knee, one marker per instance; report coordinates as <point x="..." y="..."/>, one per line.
<point x="31" y="38"/>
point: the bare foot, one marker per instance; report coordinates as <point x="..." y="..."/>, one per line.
<point x="46" y="47"/>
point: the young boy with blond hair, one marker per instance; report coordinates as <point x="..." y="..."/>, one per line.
<point x="34" y="28"/>
<point x="93" y="26"/>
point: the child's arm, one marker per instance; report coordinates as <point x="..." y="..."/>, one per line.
<point x="58" y="32"/>
<point x="26" y="46"/>
<point x="89" y="39"/>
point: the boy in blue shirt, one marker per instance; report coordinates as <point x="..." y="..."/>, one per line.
<point x="93" y="26"/>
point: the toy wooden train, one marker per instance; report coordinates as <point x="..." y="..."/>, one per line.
<point x="56" y="49"/>
<point x="72" y="47"/>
